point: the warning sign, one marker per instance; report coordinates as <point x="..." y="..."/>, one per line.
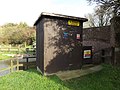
<point x="78" y="36"/>
<point x="73" y="23"/>
<point x="87" y="54"/>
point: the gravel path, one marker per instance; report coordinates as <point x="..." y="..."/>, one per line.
<point x="4" y="64"/>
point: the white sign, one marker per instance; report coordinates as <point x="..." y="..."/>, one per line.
<point x="87" y="54"/>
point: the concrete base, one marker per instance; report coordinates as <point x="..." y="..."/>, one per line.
<point x="65" y="75"/>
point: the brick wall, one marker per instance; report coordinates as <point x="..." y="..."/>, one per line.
<point x="101" y="40"/>
<point x="115" y="27"/>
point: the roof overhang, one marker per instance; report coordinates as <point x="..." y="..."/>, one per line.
<point x="59" y="16"/>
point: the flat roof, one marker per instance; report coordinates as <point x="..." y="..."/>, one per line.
<point x="59" y="16"/>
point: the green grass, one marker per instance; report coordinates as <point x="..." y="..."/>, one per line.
<point x="30" y="80"/>
<point x="3" y="54"/>
<point x="106" y="79"/>
<point x="4" y="57"/>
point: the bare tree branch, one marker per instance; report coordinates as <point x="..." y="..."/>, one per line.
<point x="112" y="4"/>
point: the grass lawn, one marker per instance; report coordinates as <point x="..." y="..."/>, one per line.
<point x="106" y="79"/>
<point x="4" y="57"/>
<point x="14" y="50"/>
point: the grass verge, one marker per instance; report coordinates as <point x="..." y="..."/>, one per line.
<point x="106" y="79"/>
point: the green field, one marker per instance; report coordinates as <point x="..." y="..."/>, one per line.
<point x="5" y="53"/>
<point x="106" y="79"/>
<point x="4" y="57"/>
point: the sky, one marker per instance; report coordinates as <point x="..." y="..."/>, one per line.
<point x="16" y="11"/>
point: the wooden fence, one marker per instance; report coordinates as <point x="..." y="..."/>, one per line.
<point x="12" y="66"/>
<point x="10" y="48"/>
<point x="28" y="64"/>
<point x="17" y="65"/>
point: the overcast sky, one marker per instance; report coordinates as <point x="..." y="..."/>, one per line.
<point x="28" y="11"/>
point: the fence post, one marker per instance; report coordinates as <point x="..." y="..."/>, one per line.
<point x="0" y="47"/>
<point x="17" y="64"/>
<point x="113" y="56"/>
<point x="11" y="65"/>
<point x="18" y="48"/>
<point x="27" y="62"/>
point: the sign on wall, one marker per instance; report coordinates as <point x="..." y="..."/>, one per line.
<point x="87" y="54"/>
<point x="73" y="23"/>
<point x="65" y="35"/>
<point x="78" y="36"/>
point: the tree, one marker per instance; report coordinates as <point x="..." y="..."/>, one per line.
<point x="17" y="34"/>
<point x="99" y="17"/>
<point x="91" y="21"/>
<point x="113" y="6"/>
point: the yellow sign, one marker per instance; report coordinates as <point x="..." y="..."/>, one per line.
<point x="73" y="23"/>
